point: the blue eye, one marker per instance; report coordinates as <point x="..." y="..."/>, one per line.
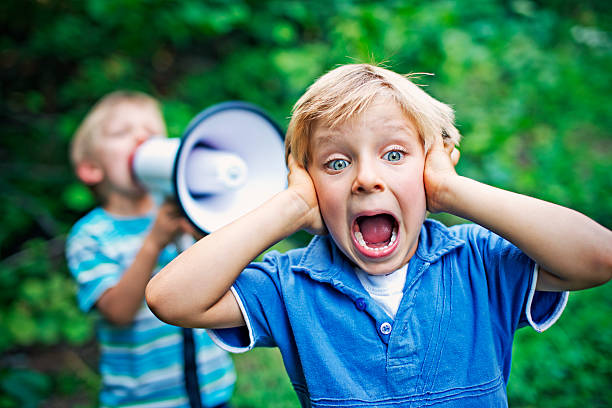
<point x="338" y="164"/>
<point x="393" y="156"/>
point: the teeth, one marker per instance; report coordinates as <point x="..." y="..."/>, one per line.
<point x="362" y="242"/>
<point x="360" y="239"/>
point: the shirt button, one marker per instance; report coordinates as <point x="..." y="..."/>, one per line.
<point x="361" y="304"/>
<point x="385" y="328"/>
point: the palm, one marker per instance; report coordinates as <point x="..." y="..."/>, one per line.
<point x="439" y="167"/>
<point x="301" y="183"/>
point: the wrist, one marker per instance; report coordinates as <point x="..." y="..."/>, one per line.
<point x="152" y="245"/>
<point x="458" y="196"/>
<point x="292" y="208"/>
<point x="304" y="215"/>
<point x="445" y="196"/>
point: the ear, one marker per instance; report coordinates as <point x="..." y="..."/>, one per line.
<point x="89" y="172"/>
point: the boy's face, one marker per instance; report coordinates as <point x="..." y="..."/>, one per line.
<point x="127" y="125"/>
<point x="368" y="175"/>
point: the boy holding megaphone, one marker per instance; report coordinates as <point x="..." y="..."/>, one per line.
<point x="115" y="249"/>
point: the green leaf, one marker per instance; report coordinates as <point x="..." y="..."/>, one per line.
<point x="26" y="387"/>
<point x="78" y="197"/>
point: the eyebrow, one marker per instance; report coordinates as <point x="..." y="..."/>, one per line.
<point x="326" y="135"/>
<point x="397" y="125"/>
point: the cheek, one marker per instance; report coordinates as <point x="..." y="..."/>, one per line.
<point x="323" y="195"/>
<point x="116" y="158"/>
<point x="330" y="203"/>
<point x="412" y="188"/>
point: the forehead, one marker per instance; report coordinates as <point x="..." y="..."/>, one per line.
<point x="128" y="108"/>
<point x="132" y="111"/>
<point x="383" y="117"/>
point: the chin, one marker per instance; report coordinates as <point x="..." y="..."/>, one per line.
<point x="379" y="269"/>
<point x="137" y="193"/>
<point x="378" y="266"/>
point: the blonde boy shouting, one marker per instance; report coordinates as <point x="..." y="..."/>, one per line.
<point x="388" y="308"/>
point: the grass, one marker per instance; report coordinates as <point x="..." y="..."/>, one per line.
<point x="262" y="381"/>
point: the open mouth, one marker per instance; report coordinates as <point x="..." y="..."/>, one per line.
<point x="375" y="235"/>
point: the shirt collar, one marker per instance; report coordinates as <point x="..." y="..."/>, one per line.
<point x="436" y="240"/>
<point x="322" y="259"/>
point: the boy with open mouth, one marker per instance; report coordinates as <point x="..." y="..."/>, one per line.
<point x="384" y="307"/>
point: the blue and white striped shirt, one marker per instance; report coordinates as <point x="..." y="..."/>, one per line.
<point x="142" y="363"/>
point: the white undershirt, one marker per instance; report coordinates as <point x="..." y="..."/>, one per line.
<point x="386" y="290"/>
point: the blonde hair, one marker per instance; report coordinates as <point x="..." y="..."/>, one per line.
<point x="89" y="130"/>
<point x="348" y="90"/>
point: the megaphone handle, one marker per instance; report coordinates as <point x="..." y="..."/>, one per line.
<point x="183" y="241"/>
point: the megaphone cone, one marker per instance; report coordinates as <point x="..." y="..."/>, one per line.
<point x="229" y="161"/>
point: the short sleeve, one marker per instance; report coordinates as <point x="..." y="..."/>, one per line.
<point x="543" y="309"/>
<point x="511" y="278"/>
<point x="258" y="293"/>
<point x="91" y="268"/>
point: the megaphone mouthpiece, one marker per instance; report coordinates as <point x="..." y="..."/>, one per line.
<point x="153" y="164"/>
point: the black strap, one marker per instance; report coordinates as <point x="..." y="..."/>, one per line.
<point x="191" y="372"/>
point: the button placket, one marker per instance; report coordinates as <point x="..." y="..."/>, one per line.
<point x="361" y="304"/>
<point x="385" y="328"/>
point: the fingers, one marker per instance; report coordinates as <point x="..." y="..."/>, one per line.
<point x="439" y="144"/>
<point x="297" y="173"/>
<point x="445" y="143"/>
<point x="291" y="165"/>
<point x="189" y="229"/>
<point x="449" y="147"/>
<point x="171" y="209"/>
<point x="455" y="155"/>
<point x="186" y="226"/>
<point x="294" y="165"/>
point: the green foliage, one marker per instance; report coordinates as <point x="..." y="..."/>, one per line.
<point x="22" y="388"/>
<point x="262" y="381"/>
<point x="530" y="83"/>
<point x="37" y="300"/>
<point x="569" y="364"/>
<point x="37" y="308"/>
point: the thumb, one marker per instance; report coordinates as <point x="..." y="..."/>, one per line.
<point x="438" y="146"/>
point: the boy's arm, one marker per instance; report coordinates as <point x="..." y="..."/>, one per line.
<point x="120" y="303"/>
<point x="193" y="289"/>
<point x="573" y="251"/>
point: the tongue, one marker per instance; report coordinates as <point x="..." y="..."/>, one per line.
<point x="376" y="229"/>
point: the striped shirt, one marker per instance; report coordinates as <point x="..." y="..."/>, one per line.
<point x="142" y="363"/>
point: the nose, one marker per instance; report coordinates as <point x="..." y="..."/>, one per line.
<point x="367" y="179"/>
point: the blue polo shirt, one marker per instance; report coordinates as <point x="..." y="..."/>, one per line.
<point x="467" y="290"/>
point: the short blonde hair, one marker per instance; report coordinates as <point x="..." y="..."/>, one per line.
<point x="348" y="90"/>
<point x="89" y="130"/>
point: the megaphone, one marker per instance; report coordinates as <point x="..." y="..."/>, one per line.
<point x="229" y="161"/>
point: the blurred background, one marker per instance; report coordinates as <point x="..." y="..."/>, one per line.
<point x="530" y="82"/>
